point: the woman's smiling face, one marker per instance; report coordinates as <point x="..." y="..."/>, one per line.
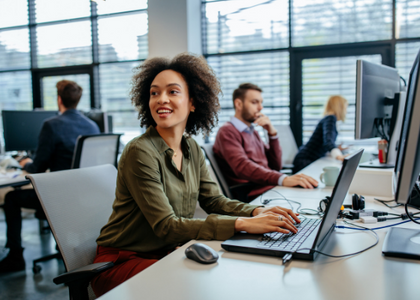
<point x="170" y="104"/>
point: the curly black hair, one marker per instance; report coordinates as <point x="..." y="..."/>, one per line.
<point x="203" y="88"/>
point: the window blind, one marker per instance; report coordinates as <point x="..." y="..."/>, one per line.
<point x="245" y="25"/>
<point x="323" y="22"/>
<point x="270" y="71"/>
<point x="407" y="18"/>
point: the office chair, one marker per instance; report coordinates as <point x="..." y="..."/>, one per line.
<point x="77" y="203"/>
<point x="96" y="149"/>
<point x="239" y="191"/>
<point x="90" y="150"/>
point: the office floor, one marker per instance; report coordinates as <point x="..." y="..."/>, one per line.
<point x="24" y="284"/>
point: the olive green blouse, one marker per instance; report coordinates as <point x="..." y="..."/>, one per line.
<point x="155" y="202"/>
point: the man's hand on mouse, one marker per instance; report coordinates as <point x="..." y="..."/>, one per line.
<point x="302" y="180"/>
<point x="268" y="219"/>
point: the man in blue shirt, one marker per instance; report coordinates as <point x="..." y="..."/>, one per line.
<point x="56" y="144"/>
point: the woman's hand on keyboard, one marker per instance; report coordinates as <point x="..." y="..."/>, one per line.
<point x="285" y="212"/>
<point x="264" y="222"/>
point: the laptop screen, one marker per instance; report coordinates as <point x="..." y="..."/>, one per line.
<point x="339" y="193"/>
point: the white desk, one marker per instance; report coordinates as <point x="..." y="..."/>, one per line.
<point x="13" y="182"/>
<point x="244" y="276"/>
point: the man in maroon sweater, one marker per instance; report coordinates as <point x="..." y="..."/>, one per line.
<point x="243" y="156"/>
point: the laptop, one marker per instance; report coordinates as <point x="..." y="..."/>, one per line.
<point x="312" y="233"/>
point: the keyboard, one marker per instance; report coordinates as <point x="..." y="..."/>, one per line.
<point x="290" y="241"/>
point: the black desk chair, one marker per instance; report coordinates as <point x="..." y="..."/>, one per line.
<point x="77" y="203"/>
<point x="239" y="191"/>
<point x="90" y="150"/>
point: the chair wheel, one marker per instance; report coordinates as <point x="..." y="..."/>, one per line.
<point x="36" y="269"/>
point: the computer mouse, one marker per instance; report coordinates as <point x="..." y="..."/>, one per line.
<point x="201" y="253"/>
<point x="301" y="187"/>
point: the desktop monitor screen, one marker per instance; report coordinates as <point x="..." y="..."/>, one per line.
<point x="21" y="128"/>
<point x="374" y="83"/>
<point x="407" y="166"/>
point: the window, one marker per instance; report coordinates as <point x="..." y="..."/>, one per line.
<point x="313" y="46"/>
<point x="14" y="49"/>
<point x="96" y="44"/>
<point x="116" y="43"/>
<point x="408" y="19"/>
<point x="405" y="54"/>
<point x="246" y="25"/>
<point x="269" y="71"/>
<point x="323" y="22"/>
<point x="13" y="13"/>
<point x="115" y="87"/>
<point x="16" y="90"/>
<point x="47" y="10"/>
<point x="65" y="44"/>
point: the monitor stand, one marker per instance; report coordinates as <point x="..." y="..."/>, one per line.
<point x="402" y="242"/>
<point x="376" y="164"/>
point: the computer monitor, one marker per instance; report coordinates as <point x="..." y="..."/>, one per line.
<point x="407" y="166"/>
<point x="379" y="106"/>
<point x="21" y="128"/>
<point x="102" y="119"/>
<point x="405" y="242"/>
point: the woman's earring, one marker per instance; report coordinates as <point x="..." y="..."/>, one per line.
<point x="192" y="110"/>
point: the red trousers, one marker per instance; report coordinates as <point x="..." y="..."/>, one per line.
<point x="127" y="264"/>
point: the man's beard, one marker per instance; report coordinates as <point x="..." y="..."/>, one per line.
<point x="248" y="117"/>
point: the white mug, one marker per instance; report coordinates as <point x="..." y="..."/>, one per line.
<point x="330" y="175"/>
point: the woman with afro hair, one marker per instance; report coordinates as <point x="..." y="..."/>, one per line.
<point x="162" y="174"/>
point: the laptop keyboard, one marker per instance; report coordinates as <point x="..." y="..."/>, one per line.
<point x="289" y="241"/>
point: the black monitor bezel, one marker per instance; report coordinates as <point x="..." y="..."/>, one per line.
<point x="407" y="165"/>
<point x="9" y="131"/>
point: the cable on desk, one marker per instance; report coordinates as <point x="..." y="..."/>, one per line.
<point x="410" y="215"/>
<point x="302" y="211"/>
<point x="385" y="202"/>
<point x="267" y="201"/>
<point x="349" y="254"/>
<point x="376" y="228"/>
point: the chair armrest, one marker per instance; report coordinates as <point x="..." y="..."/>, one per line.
<point x="85" y="273"/>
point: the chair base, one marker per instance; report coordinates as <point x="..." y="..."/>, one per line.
<point x="36" y="269"/>
<point x="44" y="227"/>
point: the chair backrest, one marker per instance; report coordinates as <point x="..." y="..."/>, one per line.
<point x="287" y="143"/>
<point x="208" y="149"/>
<point x="97" y="149"/>
<point x="77" y="204"/>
